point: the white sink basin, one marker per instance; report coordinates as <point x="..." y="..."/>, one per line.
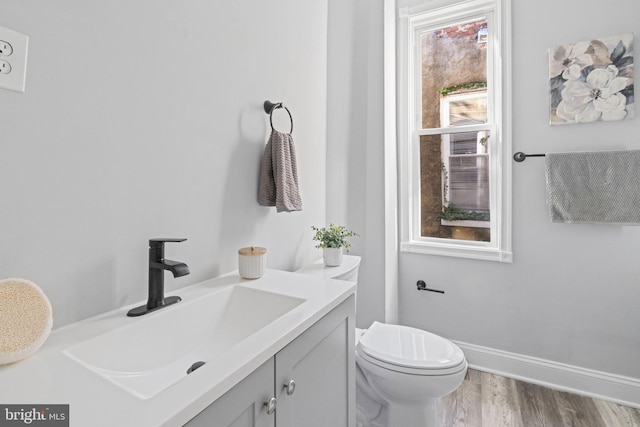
<point x="156" y="350"/>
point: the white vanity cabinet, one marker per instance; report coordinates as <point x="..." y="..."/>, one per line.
<point x="312" y="380"/>
<point x="242" y="406"/>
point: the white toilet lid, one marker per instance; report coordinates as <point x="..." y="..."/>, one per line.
<point x="409" y="347"/>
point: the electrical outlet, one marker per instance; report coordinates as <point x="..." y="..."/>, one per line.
<point x="13" y="59"/>
<point x="5" y="67"/>
<point x="5" y="48"/>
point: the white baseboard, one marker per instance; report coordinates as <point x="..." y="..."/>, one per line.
<point x="600" y="385"/>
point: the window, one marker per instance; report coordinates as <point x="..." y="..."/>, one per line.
<point x="454" y="130"/>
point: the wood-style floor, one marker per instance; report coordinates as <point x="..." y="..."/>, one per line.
<point x="487" y="400"/>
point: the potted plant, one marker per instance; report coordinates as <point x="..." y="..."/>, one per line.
<point x="333" y="242"/>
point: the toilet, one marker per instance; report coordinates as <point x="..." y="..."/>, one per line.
<point x="401" y="372"/>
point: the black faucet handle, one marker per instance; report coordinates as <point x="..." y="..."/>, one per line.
<point x="156" y="247"/>
<point x="165" y="240"/>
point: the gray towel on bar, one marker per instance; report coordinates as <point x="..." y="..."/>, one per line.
<point x="278" y="184"/>
<point x="594" y="187"/>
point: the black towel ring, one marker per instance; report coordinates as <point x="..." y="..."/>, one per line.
<point x="270" y="107"/>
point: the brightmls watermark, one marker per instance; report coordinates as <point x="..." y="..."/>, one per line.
<point x="34" y="415"/>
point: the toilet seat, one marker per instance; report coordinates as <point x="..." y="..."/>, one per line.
<point x="410" y="350"/>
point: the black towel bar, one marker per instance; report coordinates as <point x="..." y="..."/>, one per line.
<point x="521" y="157"/>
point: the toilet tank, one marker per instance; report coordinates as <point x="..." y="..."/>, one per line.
<point x="348" y="270"/>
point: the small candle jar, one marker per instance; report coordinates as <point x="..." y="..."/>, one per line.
<point x="251" y="262"/>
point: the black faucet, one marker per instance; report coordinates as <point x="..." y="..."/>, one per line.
<point x="157" y="265"/>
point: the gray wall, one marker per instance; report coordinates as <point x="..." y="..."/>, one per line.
<point x="572" y="292"/>
<point x="144" y="119"/>
<point x="355" y="156"/>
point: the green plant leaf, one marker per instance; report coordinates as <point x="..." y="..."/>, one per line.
<point x="334" y="236"/>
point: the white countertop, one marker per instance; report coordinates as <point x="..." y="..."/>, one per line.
<point x="52" y="377"/>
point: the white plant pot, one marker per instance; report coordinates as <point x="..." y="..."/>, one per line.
<point x="332" y="257"/>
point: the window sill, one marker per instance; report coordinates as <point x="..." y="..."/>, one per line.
<point x="469" y="250"/>
<point x="466" y="223"/>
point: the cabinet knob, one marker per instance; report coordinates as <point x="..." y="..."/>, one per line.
<point x="290" y="387"/>
<point x="271" y="406"/>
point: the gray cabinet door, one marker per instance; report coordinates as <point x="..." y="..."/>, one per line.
<point x="243" y="405"/>
<point x="321" y="362"/>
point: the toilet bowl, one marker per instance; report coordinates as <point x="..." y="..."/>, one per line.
<point x="401" y="372"/>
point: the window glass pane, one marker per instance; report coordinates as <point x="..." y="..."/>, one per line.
<point x="454" y="186"/>
<point x="453" y="60"/>
<point x="454" y="167"/>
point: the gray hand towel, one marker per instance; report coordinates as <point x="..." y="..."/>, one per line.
<point x="278" y="185"/>
<point x="594" y="187"/>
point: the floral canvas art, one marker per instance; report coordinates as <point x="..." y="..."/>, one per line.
<point x="592" y="81"/>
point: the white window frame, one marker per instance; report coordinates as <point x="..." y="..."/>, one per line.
<point x="435" y="14"/>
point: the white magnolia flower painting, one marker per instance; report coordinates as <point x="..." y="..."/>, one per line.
<point x="592" y="81"/>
